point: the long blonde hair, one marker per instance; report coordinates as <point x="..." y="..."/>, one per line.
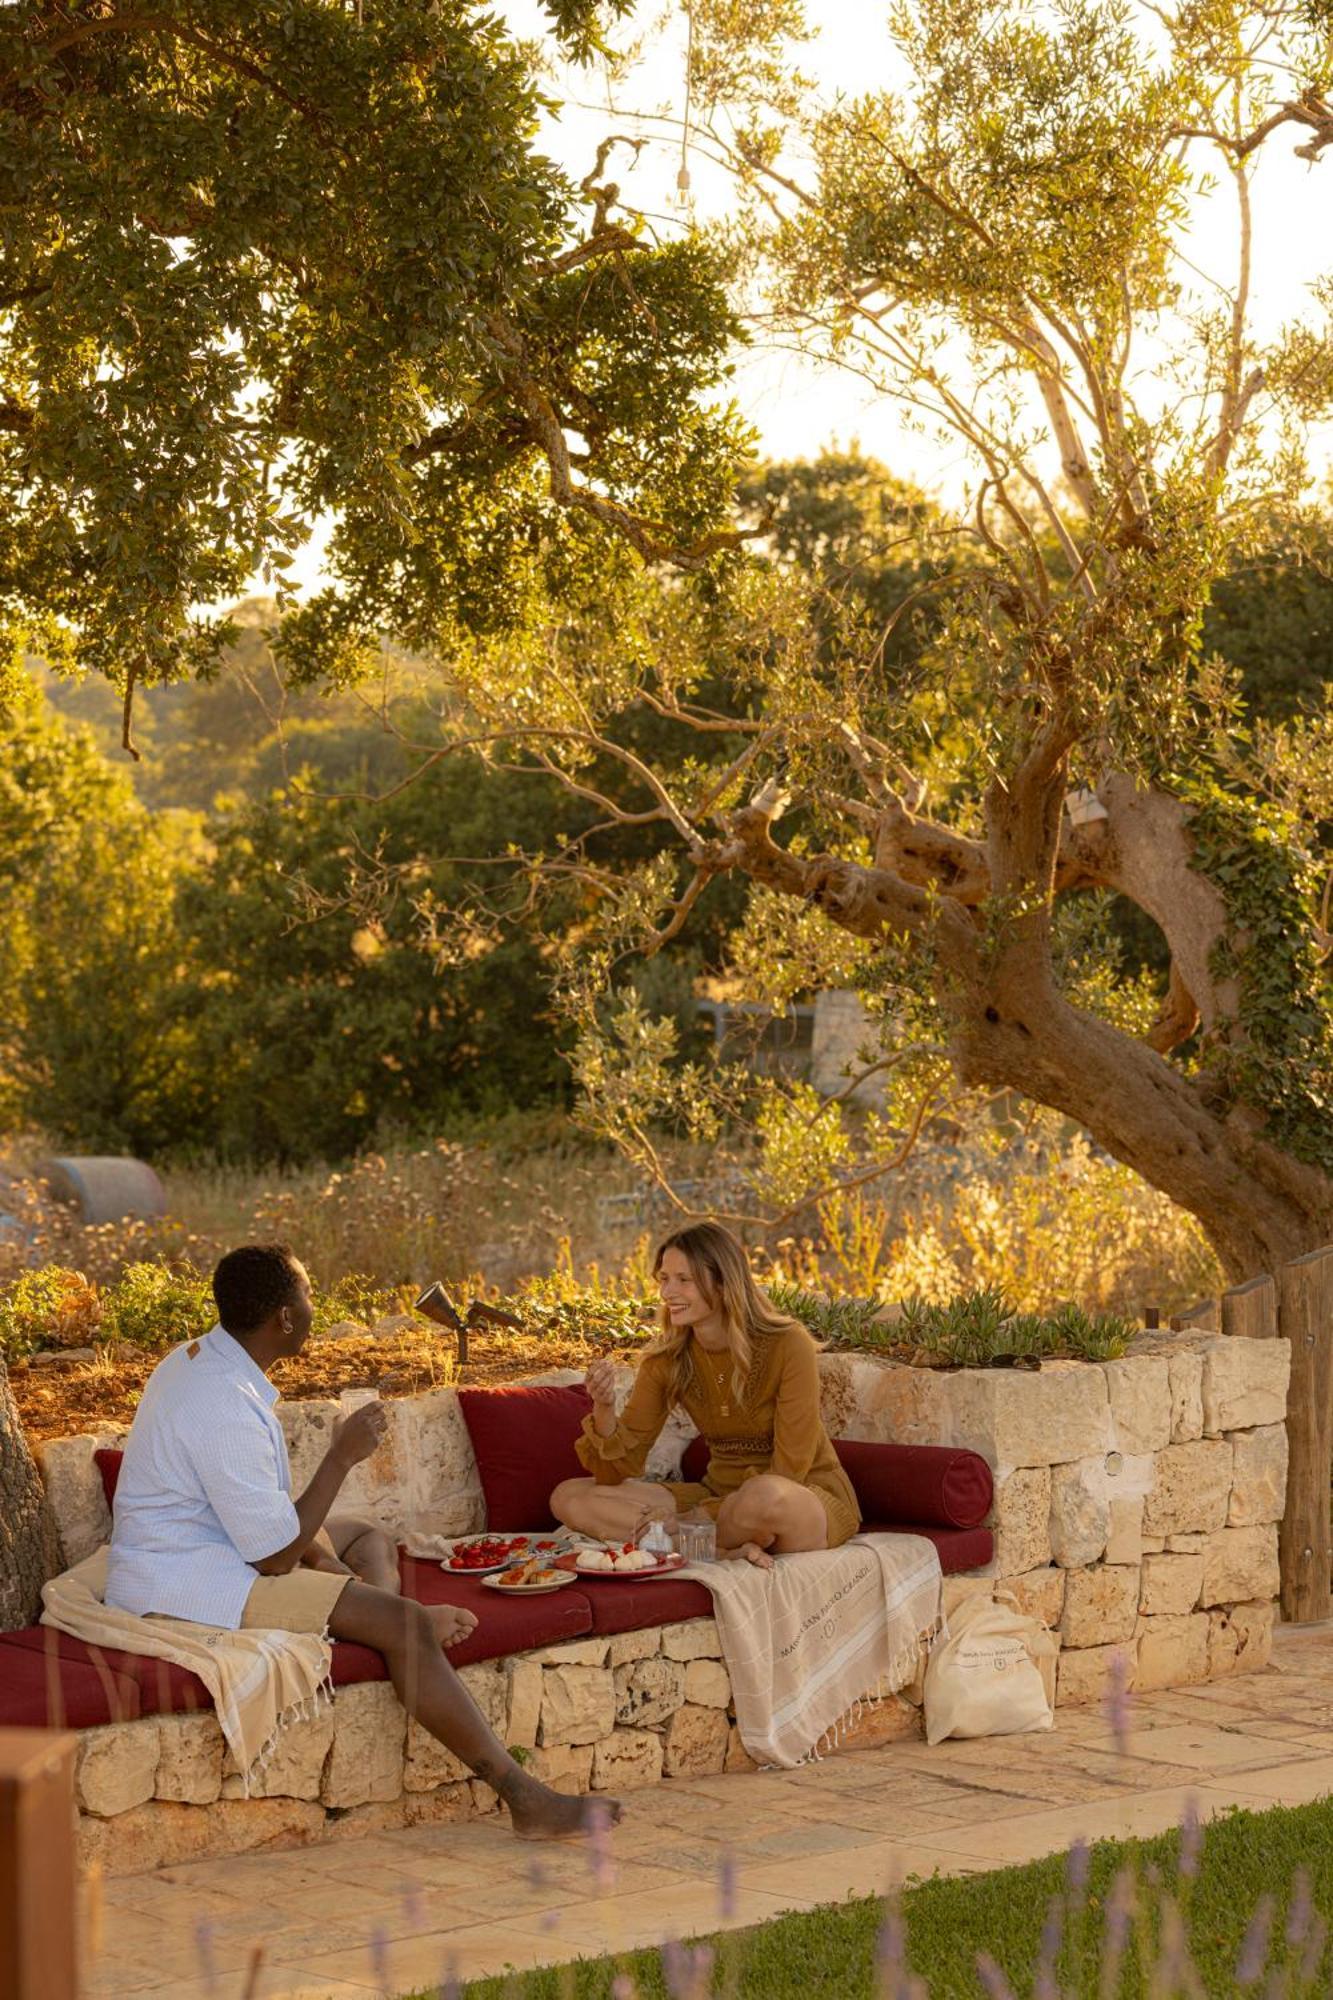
<point x="721" y="1270"/>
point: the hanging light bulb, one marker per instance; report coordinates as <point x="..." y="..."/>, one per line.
<point x="683" y="171"/>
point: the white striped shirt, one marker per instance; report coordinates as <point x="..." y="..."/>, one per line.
<point x="205" y="1487"/>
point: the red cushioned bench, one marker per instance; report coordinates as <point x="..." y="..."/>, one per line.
<point x="523" y="1438"/>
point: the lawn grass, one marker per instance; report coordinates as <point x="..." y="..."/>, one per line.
<point x="831" y="1953"/>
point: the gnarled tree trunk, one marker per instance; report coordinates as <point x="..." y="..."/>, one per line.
<point x="29" y="1544"/>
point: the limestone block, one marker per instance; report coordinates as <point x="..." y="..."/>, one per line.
<point x="445" y="1806"/>
<point x="1244" y="1384"/>
<point x="1185" y="1545"/>
<point x="692" y="1639"/>
<point x="1139" y="1390"/>
<point x="895" y="1404"/>
<point x="1185" y="1368"/>
<point x="708" y="1684"/>
<point x="365" y="1763"/>
<point x="837" y="1391"/>
<point x="1017" y="1419"/>
<point x="1259" y="1476"/>
<point x="380" y="1485"/>
<point x="1040" y="1594"/>
<point x="1240" y="1639"/>
<point x="572" y="1653"/>
<point x="74" y="1488"/>
<point x="1124" y="1539"/>
<point x="1084" y="1673"/>
<point x="628" y="1646"/>
<point x="954" y="1589"/>
<point x="1080" y="1512"/>
<point x="578" y="1705"/>
<point x="1023" y="1521"/>
<point x="625" y="1758"/>
<point x="525" y="1703"/>
<point x="648" y="1691"/>
<point x="738" y="1757"/>
<point x="116" y="1767"/>
<point x="1191" y="1490"/>
<point x="1173" y="1651"/>
<point x="428" y="1764"/>
<point x="892" y="1720"/>
<point x="1171" y="1585"/>
<point x="488" y="1684"/>
<point x="565" y="1767"/>
<point x="440" y="1463"/>
<point x="308" y="1428"/>
<point x="1240" y="1565"/>
<point x="1101" y="1606"/>
<point x="1153" y="1544"/>
<point x="363" y="1822"/>
<point x="296" y="1768"/>
<point x="189" y="1762"/>
<point x="164" y="1834"/>
<point x="695" y="1744"/>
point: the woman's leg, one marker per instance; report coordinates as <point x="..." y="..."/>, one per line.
<point x="771" y="1516"/>
<point x="610" y="1513"/>
<point x="430" y="1690"/>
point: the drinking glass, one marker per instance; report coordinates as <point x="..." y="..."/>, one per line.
<point x="697" y="1539"/>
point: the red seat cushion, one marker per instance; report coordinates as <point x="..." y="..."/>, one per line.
<point x="633" y="1607"/>
<point x="108" y="1463"/>
<point x="959" y="1548"/>
<point x="524" y="1438"/>
<point x="934" y="1485"/>
<point x="44" y="1686"/>
<point x="504" y="1624"/>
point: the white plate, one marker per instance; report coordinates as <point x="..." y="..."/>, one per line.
<point x="526" y="1590"/>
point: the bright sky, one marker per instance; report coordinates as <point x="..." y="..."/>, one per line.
<point x="797" y="407"/>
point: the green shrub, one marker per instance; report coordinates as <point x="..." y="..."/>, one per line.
<point x="52" y="1307"/>
<point x="156" y="1305"/>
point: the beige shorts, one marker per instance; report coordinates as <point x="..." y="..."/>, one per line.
<point x="301" y="1601"/>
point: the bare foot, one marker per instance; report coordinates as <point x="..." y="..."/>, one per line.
<point x="452" y="1624"/>
<point x="537" y="1813"/>
<point x="749" y="1552"/>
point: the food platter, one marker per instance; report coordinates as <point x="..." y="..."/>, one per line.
<point x="664" y="1566"/>
<point x="485" y="1555"/>
<point x="507" y="1588"/>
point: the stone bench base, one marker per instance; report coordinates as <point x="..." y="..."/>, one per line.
<point x="590" y="1715"/>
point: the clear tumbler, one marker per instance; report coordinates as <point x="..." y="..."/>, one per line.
<point x="696" y="1538"/>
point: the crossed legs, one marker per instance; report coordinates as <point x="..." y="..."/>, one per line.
<point x="767" y="1516"/>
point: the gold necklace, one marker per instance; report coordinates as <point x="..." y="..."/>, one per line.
<point x="718" y="1368"/>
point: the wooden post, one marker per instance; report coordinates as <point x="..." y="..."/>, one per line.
<point x="1201" y="1318"/>
<point x="1250" y="1311"/>
<point x="38" y="1924"/>
<point x="1305" y="1318"/>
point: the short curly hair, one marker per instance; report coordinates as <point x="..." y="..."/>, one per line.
<point x="253" y="1282"/>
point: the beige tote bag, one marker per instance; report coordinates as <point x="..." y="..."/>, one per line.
<point x="994" y="1674"/>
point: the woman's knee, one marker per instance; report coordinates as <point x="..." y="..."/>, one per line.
<point x="567" y="1495"/>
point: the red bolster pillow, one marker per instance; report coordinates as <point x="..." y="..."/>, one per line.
<point x="925" y="1485"/>
<point x="108" y="1464"/>
<point x="524" y="1438"/>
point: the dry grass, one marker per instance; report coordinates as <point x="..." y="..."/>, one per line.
<point x="1044" y="1224"/>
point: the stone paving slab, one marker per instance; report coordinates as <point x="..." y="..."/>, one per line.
<point x="403" y="1909"/>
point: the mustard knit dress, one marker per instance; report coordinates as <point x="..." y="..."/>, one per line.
<point x="774" y="1427"/>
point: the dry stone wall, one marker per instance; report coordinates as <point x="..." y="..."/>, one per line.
<point x="1136" y="1511"/>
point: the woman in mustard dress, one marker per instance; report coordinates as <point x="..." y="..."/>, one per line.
<point x="748" y="1378"/>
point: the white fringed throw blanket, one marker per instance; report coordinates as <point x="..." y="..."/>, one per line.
<point x="259" y="1680"/>
<point x="812" y="1640"/>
